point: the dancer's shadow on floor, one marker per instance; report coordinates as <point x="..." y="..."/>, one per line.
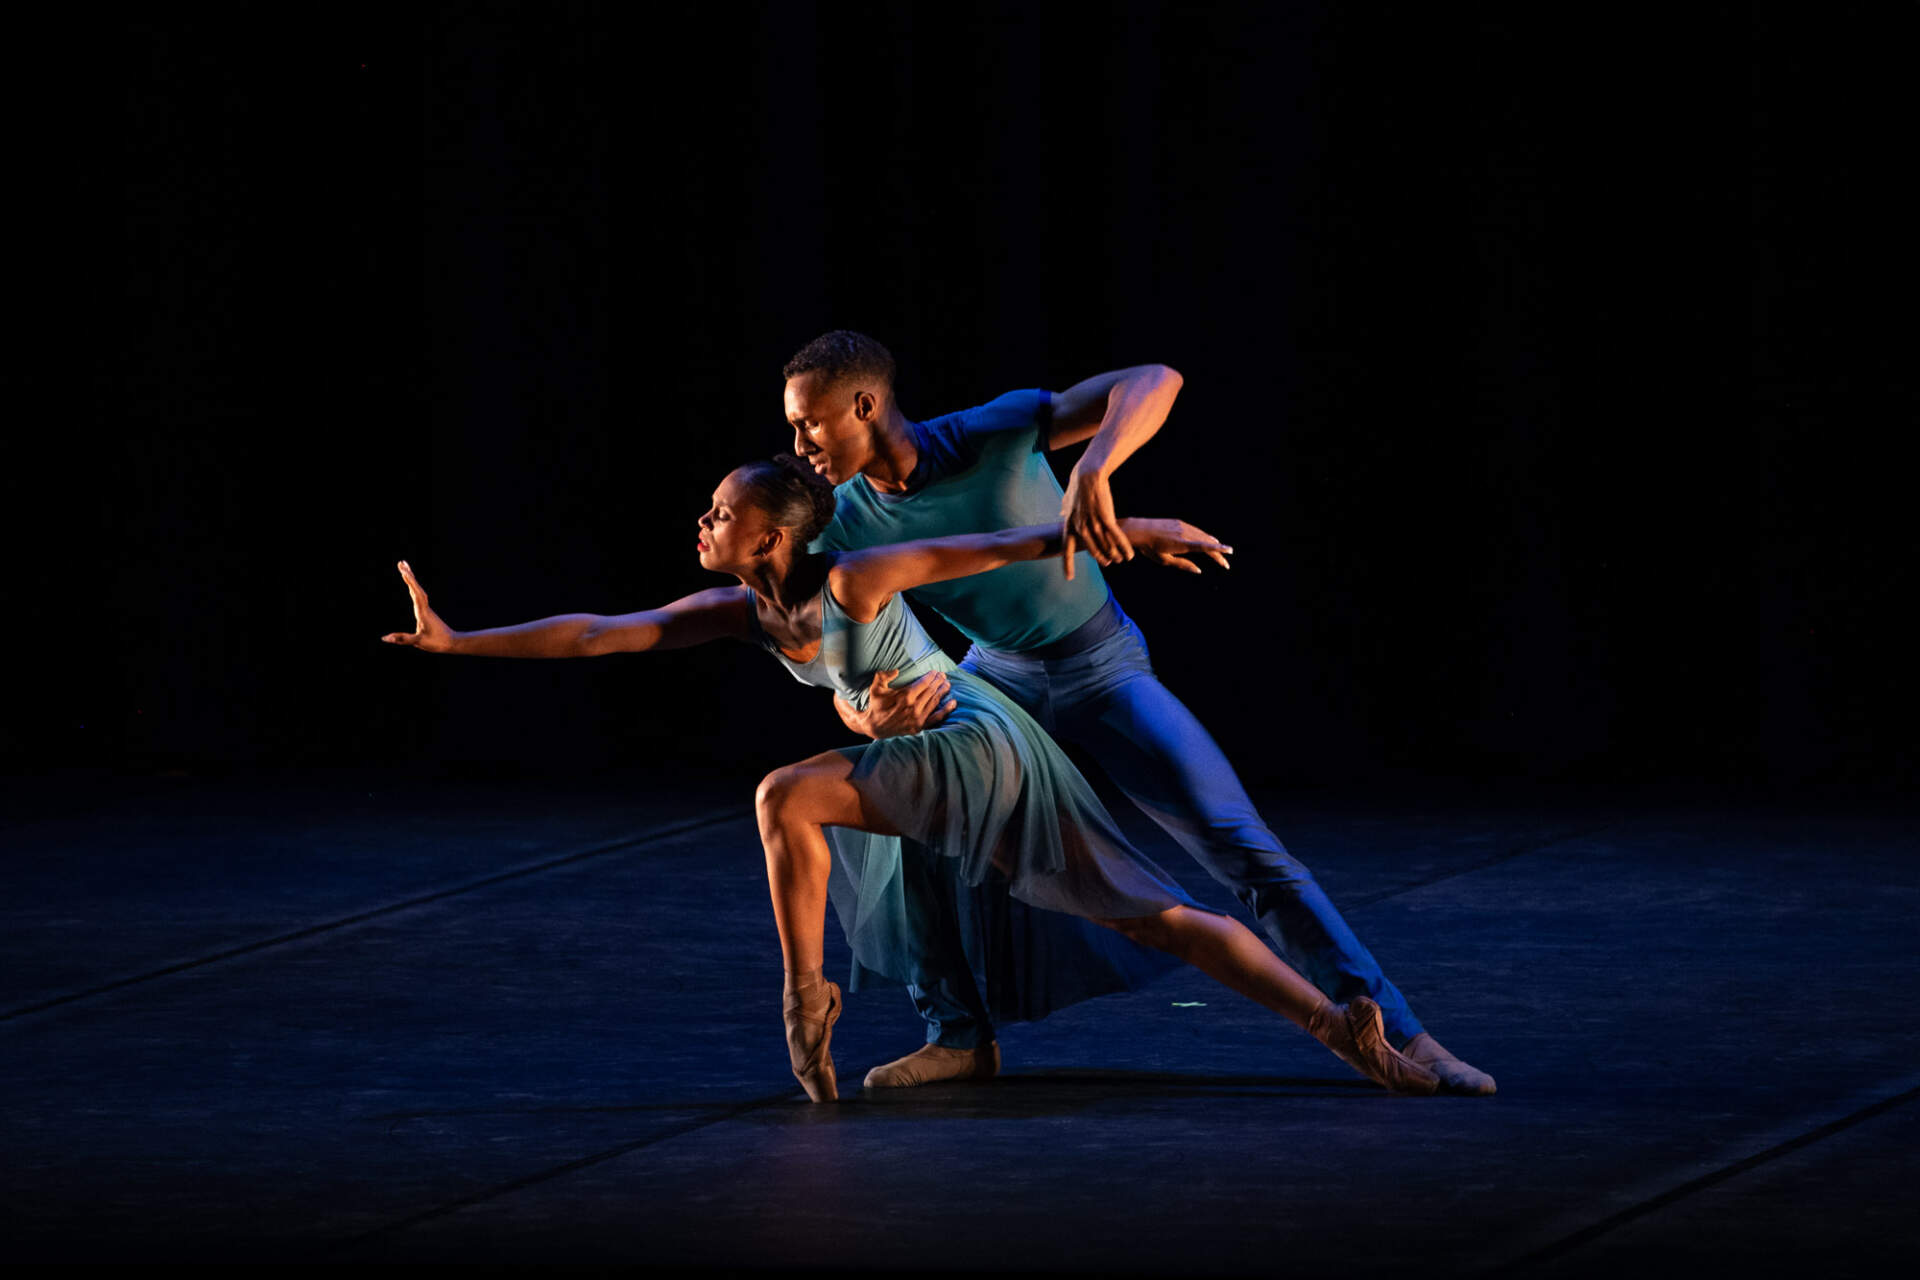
<point x="1058" y="1091"/>
<point x="1042" y="1092"/>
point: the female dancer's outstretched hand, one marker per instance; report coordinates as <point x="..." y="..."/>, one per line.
<point x="429" y="633"/>
<point x="1171" y="541"/>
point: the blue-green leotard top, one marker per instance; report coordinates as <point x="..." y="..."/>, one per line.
<point x="980" y="470"/>
<point x="850" y="652"/>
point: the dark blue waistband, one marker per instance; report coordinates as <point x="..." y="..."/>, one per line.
<point x="1106" y="621"/>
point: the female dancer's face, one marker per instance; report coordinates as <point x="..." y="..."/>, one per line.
<point x="733" y="530"/>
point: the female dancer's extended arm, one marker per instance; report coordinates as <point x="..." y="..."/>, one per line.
<point x="863" y="580"/>
<point x="705" y="615"/>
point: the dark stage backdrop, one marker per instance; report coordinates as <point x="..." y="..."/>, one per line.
<point x="1535" y="364"/>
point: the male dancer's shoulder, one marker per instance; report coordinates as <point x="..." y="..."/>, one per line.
<point x="1017" y="419"/>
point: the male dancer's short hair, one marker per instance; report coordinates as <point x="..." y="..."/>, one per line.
<point x="841" y="355"/>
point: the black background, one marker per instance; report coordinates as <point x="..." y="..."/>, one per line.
<point x="1546" y="369"/>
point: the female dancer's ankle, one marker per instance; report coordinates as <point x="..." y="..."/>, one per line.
<point x="809" y="985"/>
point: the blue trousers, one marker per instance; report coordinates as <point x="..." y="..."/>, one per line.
<point x="1096" y="689"/>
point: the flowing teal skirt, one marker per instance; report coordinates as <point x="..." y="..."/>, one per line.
<point x="1008" y="858"/>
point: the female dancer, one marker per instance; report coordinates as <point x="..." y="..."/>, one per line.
<point x="986" y="788"/>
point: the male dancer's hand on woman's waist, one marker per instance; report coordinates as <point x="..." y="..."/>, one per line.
<point x="893" y="712"/>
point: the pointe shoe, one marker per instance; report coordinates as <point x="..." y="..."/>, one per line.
<point x="932" y="1063"/>
<point x="1358" y="1038"/>
<point x="1455" y="1075"/>
<point x="807" y="1038"/>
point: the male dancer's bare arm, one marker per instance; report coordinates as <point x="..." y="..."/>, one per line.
<point x="1119" y="411"/>
<point x="706" y="615"/>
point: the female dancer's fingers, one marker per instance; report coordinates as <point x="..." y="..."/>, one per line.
<point x="401" y="637"/>
<point x="414" y="589"/>
<point x="1171" y="560"/>
<point x="1200" y="540"/>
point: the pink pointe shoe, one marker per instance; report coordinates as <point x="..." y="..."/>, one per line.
<point x="807" y="1037"/>
<point x="1356" y="1035"/>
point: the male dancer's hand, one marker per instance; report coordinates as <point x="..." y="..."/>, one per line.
<point x="1172" y="541"/>
<point x="1087" y="518"/>
<point x="429" y="633"/>
<point x="893" y="713"/>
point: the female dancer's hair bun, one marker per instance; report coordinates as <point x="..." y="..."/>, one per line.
<point x="792" y="494"/>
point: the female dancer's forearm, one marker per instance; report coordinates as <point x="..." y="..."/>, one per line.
<point x="1030" y="542"/>
<point x="566" y="635"/>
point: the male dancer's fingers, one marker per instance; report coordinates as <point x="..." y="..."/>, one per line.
<point x="1109" y="551"/>
<point x="927" y="695"/>
<point x="928" y="692"/>
<point x="1107" y="520"/>
<point x="1067" y="548"/>
<point x="401" y="637"/>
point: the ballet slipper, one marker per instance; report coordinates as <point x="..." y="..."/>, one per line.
<point x="931" y="1063"/>
<point x="809" y="1029"/>
<point x="1455" y="1076"/>
<point x="1356" y="1035"/>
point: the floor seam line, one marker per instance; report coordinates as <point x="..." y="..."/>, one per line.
<point x="1673" y="1195"/>
<point x="557" y="1171"/>
<point x="361" y="917"/>
<point x="1367" y="900"/>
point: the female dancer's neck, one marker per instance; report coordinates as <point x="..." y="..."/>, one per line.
<point x="786" y="580"/>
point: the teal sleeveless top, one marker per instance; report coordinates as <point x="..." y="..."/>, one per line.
<point x="980" y="470"/>
<point x="850" y="652"/>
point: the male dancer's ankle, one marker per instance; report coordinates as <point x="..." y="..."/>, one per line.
<point x="935" y="1063"/>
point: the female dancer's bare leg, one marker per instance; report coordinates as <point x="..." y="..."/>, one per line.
<point x="1229" y="953"/>
<point x="794" y="803"/>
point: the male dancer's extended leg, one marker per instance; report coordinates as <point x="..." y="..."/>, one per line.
<point x="1159" y="753"/>
<point x="1107" y="700"/>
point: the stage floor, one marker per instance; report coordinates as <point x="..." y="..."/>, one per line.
<point x="347" y="1017"/>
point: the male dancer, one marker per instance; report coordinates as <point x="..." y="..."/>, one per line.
<point x="1057" y="643"/>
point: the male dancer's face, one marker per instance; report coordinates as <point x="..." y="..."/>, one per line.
<point x="832" y="425"/>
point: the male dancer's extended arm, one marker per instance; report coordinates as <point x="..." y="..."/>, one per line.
<point x="705" y="615"/>
<point x="1119" y="411"/>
